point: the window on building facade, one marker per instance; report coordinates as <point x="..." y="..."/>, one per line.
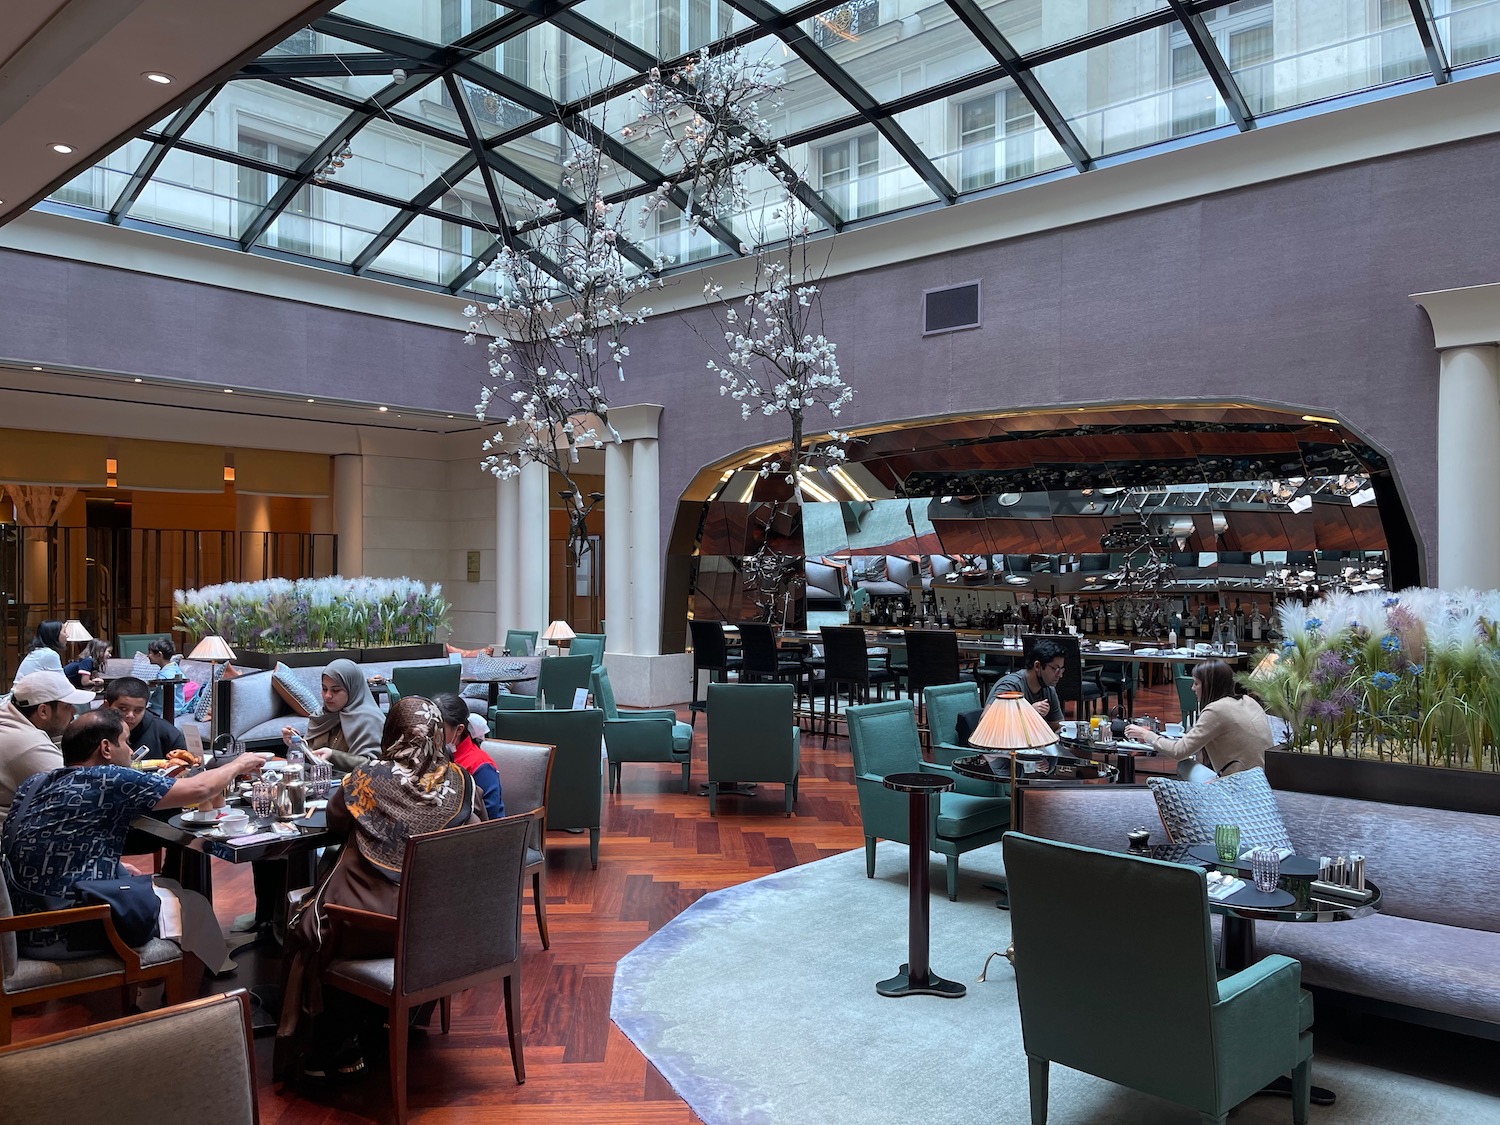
<point x="849" y="175"/>
<point x="1245" y="36"/>
<point x="996" y="139"/>
<point x="293" y="229"/>
<point x="686" y="25"/>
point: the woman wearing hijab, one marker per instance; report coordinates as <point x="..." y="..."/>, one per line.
<point x="348" y="732"/>
<point x="412" y="788"/>
<point x="45" y="653"/>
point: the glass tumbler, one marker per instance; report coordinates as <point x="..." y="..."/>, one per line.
<point x="1227" y="842"/>
<point x="319" y="777"/>
<point x="1265" y="867"/>
<point x="260" y="799"/>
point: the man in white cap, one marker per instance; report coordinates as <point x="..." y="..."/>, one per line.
<point x="41" y="706"/>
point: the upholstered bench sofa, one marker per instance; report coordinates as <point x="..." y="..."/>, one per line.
<point x="1428" y="956"/>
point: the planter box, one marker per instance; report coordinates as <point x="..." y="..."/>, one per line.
<point x="1393" y="783"/>
<point x="434" y="651"/>
<point x="305" y="658"/>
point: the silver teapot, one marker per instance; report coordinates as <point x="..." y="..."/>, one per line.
<point x="289" y="794"/>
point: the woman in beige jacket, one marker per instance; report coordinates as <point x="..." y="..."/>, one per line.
<point x="1232" y="729"/>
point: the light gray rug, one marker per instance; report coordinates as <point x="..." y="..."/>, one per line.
<point x="758" y="1004"/>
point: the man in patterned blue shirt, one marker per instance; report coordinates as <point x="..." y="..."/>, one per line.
<point x="70" y="824"/>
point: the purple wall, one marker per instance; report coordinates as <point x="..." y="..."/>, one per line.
<point x="1293" y="293"/>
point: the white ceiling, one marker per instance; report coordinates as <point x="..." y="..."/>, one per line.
<point x="71" y="73"/>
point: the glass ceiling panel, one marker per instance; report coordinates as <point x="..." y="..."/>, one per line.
<point x="326" y="224"/>
<point x="1029" y="25"/>
<point x="807" y="100"/>
<point x="267" y="121"/>
<point x="98" y="187"/>
<point x="859" y="174"/>
<point x="419" y="20"/>
<point x="396" y="162"/>
<point x="1314" y="57"/>
<point x="666" y="28"/>
<point x="667" y="233"/>
<point x="1470" y="30"/>
<point x="1134" y="91"/>
<point x="491" y="113"/>
<point x="984" y="137"/>
<point x="889" y="60"/>
<point x="199" y="193"/>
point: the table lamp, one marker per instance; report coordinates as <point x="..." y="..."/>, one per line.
<point x="73" y="632"/>
<point x="558" y="634"/>
<point x="1009" y="724"/>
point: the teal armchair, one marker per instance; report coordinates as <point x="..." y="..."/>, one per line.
<point x="883" y="738"/>
<point x="575" y="793"/>
<point x="1186" y="700"/>
<point x="557" y="681"/>
<point x="944" y="704"/>
<point x="588" y="644"/>
<point x="521" y="642"/>
<point x="128" y="644"/>
<point x="1219" y="1041"/>
<point x="425" y="680"/>
<point x="752" y="737"/>
<point x="640" y="736"/>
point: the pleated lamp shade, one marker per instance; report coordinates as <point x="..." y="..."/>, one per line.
<point x="557" y="631"/>
<point x="74" y="633"/>
<point x="212" y="648"/>
<point x="1010" y="723"/>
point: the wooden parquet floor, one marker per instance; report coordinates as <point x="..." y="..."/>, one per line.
<point x="660" y="851"/>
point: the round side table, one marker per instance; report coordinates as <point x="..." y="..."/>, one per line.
<point x="915" y="978"/>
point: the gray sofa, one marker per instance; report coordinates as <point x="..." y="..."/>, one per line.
<point x="1427" y="957"/>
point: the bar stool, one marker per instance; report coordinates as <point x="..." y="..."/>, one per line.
<point x="931" y="660"/>
<point x="847" y="661"/>
<point x="711" y="655"/>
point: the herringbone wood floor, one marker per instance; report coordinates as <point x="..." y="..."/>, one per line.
<point x="660" y="852"/>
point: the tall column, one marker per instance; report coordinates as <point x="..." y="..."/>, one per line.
<point x="349" y="511"/>
<point x="1468" y="461"/>
<point x="645" y="545"/>
<point x="619" y="611"/>
<point x="508" y="605"/>
<point x="532" y="548"/>
<point x="252" y="521"/>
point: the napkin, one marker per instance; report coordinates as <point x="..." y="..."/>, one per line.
<point x="1226" y="888"/>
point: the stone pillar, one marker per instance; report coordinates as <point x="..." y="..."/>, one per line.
<point x="619" y="611"/>
<point x="508" y="605"/>
<point x="532" y="549"/>
<point x="349" y="512"/>
<point x="1468" y="456"/>
<point x="645" y="546"/>
<point x="252" y="520"/>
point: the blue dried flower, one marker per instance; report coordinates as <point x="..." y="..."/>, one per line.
<point x="1390" y="643"/>
<point x="1314" y="624"/>
<point x="1384" y="681"/>
<point x="1288" y="643"/>
<point x="1414" y="669"/>
<point x="1390" y="602"/>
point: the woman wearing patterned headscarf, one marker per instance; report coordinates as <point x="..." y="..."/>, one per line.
<point x="412" y="788"/>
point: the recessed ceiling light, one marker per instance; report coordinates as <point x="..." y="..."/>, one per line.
<point x="36" y="368"/>
<point x="383" y="409"/>
<point x="158" y="77"/>
<point x="229" y="390"/>
<point x="62" y="149"/>
<point x="137" y="380"/>
<point x="311" y="400"/>
<point x="450" y="416"/>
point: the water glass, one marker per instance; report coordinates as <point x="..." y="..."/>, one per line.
<point x="319" y="777"/>
<point x="1265" y="867"/>
<point x="1227" y="842"/>
<point x="260" y="799"/>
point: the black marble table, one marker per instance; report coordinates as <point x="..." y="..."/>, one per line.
<point x="916" y="978"/>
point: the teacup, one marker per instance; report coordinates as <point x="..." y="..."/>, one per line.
<point x="1173" y="730"/>
<point x="234" y="824"/>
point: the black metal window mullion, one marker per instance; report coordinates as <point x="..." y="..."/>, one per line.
<point x="1432" y="43"/>
<point x="181" y="122"/>
<point x="1213" y="61"/>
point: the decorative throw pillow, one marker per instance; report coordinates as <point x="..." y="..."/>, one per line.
<point x="487" y="667"/>
<point x="874" y="569"/>
<point x="203" y="701"/>
<point x="142" y="668"/>
<point x="1190" y="811"/>
<point x="295" y="693"/>
<point x="487" y="650"/>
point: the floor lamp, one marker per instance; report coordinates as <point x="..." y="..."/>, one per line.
<point x="1011" y="726"/>
<point x="214" y="649"/>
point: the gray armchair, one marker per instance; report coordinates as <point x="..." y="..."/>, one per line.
<point x="577" y="791"/>
<point x="1219" y="1041"/>
<point x="640" y="736"/>
<point x="752" y="737"/>
<point x="883" y="737"/>
<point x="457" y="925"/>
<point x="525" y="770"/>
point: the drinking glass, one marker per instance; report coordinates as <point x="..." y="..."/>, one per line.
<point x="1227" y="842"/>
<point x="1265" y="868"/>
<point x="319" y="777"/>
<point x="260" y="799"/>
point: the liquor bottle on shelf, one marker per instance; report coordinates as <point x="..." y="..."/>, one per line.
<point x="1203" y="617"/>
<point x="1111" y="621"/>
<point x="1257" y="623"/>
<point x="1189" y="623"/>
<point x="1239" y="621"/>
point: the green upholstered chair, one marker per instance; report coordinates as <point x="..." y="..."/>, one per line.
<point x="557" y="681"/>
<point x="883" y="739"/>
<point x="944" y="704"/>
<point x="577" y="791"/>
<point x="640" y="736"/>
<point x="1220" y="1040"/>
<point x="1186" y="699"/>
<point x="425" y="680"/>
<point x="752" y="737"/>
<point x="128" y="644"/>
<point x="588" y="644"/>
<point x="521" y="642"/>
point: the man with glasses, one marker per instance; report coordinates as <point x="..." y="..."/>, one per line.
<point x="1037" y="683"/>
<point x="41" y="706"/>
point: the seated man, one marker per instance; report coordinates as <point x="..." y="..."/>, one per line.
<point x="70" y="824"/>
<point x="168" y="671"/>
<point x="1038" y="682"/>
<point x="40" y="707"/>
<point x="150" y="736"/>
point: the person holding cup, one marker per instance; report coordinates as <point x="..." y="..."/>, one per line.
<point x="1232" y="729"/>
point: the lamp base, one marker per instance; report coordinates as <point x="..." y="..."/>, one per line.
<point x="932" y="985"/>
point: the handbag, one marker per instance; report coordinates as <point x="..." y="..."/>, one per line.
<point x="132" y="903"/>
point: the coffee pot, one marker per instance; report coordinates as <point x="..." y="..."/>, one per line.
<point x="289" y="794"/>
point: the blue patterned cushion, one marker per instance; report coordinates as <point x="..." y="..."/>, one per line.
<point x="142" y="668"/>
<point x="295" y="692"/>
<point x="203" y="702"/>
<point x="1190" y="811"/>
